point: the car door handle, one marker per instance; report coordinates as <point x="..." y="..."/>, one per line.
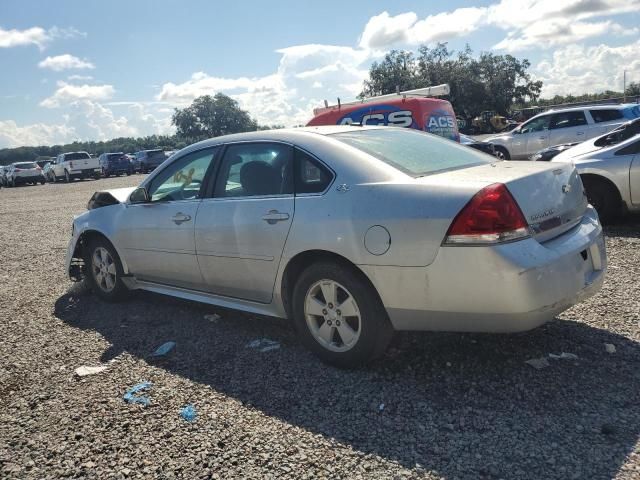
<point x="180" y="217"/>
<point x="274" y="216"/>
<point x="542" y="138"/>
<point x="579" y="133"/>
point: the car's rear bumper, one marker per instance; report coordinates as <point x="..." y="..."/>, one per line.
<point x="507" y="288"/>
<point x="85" y="172"/>
<point x="28" y="178"/>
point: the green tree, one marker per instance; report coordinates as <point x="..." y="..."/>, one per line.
<point x="633" y="89"/>
<point x="211" y="116"/>
<point x="490" y="82"/>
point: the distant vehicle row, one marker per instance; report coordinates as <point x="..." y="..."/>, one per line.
<point x="71" y="166"/>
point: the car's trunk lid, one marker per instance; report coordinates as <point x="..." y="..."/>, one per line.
<point x="551" y="196"/>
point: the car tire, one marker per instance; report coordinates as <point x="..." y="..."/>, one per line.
<point x="604" y="198"/>
<point x="103" y="271"/>
<point x="502" y="153"/>
<point x="42" y="182"/>
<point x="338" y="339"/>
<point x="67" y="177"/>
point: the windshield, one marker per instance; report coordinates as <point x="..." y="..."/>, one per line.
<point x="620" y="134"/>
<point x="76" y="156"/>
<point x="26" y="165"/>
<point x="412" y="152"/>
<point x="155" y="153"/>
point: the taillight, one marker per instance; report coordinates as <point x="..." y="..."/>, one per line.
<point x="491" y="216"/>
<point x="38" y="168"/>
<point x="17" y="169"/>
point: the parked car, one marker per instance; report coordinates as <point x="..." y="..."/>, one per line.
<point x="352" y="232"/>
<point x="47" y="172"/>
<point x="568" y="125"/>
<point x="22" y="173"/>
<point x="3" y="175"/>
<point x="148" y="160"/>
<point x="75" y="165"/>
<point x="610" y="169"/>
<point x="548" y="153"/>
<point x="485" y="147"/>
<point x="114" y="164"/>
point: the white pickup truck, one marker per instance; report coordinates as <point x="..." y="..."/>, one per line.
<point x="71" y="165"/>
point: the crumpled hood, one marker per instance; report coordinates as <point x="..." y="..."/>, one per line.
<point x="104" y="198"/>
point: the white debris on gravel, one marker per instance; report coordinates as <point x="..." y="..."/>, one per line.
<point x="212" y="317"/>
<point x="85" y="371"/>
<point x="610" y="348"/>
<point x="538" y="363"/>
<point x="564" y="356"/>
<point x="264" y="345"/>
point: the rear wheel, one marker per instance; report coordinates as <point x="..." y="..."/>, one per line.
<point x="502" y="153"/>
<point x="104" y="271"/>
<point x="604" y="198"/>
<point x="339" y="316"/>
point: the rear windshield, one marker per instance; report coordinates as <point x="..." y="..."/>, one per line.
<point x="115" y="156"/>
<point x="620" y="134"/>
<point x="413" y="152"/>
<point x="26" y="165"/>
<point x="76" y="156"/>
<point x="155" y="153"/>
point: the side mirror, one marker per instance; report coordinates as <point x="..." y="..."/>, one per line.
<point x="139" y="195"/>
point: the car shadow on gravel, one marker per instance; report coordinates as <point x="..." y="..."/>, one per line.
<point x="464" y="406"/>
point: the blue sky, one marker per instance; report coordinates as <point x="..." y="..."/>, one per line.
<point x="97" y="70"/>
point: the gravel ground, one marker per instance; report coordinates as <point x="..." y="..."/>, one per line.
<point x="436" y="406"/>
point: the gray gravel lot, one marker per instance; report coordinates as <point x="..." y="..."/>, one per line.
<point x="454" y="406"/>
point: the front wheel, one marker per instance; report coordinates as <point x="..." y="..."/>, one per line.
<point x="339" y="316"/>
<point x="502" y="153"/>
<point x="104" y="271"/>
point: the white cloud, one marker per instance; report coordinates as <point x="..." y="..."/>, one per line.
<point x="65" y="62"/>
<point x="36" y="36"/>
<point x="68" y="93"/>
<point x="79" y="77"/>
<point x="529" y="23"/>
<point x="576" y="69"/>
<point x="305" y="76"/>
<point x="13" y="135"/>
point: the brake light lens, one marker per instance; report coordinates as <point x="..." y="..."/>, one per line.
<point x="491" y="216"/>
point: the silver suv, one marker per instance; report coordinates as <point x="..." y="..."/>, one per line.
<point x="569" y="125"/>
<point x="21" y="173"/>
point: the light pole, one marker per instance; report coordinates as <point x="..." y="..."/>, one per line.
<point x="624" y="86"/>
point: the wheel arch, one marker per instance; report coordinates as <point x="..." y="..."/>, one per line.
<point x="598" y="178"/>
<point x="89" y="234"/>
<point x="296" y="265"/>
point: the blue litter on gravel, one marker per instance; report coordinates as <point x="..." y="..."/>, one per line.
<point x="130" y="396"/>
<point x="163" y="349"/>
<point x="188" y="413"/>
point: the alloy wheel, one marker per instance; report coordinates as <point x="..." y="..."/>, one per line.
<point x="332" y="316"/>
<point x="104" y="269"/>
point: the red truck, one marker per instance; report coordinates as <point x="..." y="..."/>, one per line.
<point x="412" y="109"/>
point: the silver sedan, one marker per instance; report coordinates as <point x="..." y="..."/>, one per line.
<point x="610" y="169"/>
<point x="352" y="233"/>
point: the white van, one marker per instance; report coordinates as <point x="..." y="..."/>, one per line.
<point x="569" y="125"/>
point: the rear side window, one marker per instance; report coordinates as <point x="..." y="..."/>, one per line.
<point x="310" y="175"/>
<point x="412" y="152"/>
<point x="600" y="116"/>
<point x="568" y="119"/>
<point x="632" y="149"/>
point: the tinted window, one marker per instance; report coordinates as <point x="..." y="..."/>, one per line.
<point x="251" y="169"/>
<point x="632" y="149"/>
<point x="620" y="134"/>
<point x="26" y="165"/>
<point x="183" y="179"/>
<point x="568" y="119"/>
<point x="310" y="176"/>
<point x="76" y="156"/>
<point x="536" y="124"/>
<point x="412" y="152"/>
<point x="606" y="115"/>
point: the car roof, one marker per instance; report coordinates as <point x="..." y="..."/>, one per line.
<point x="609" y="106"/>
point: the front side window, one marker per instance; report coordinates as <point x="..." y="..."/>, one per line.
<point x="632" y="149"/>
<point x="254" y="169"/>
<point x="310" y="175"/>
<point x="568" y="119"/>
<point x="600" y="116"/>
<point x="183" y="179"/>
<point x="536" y="125"/>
